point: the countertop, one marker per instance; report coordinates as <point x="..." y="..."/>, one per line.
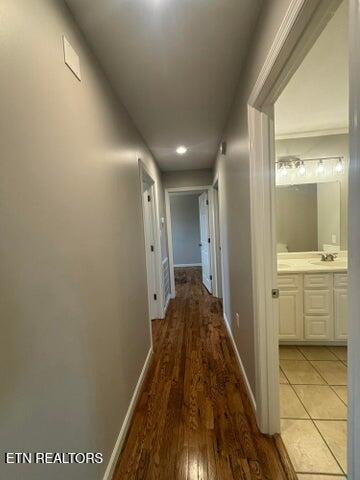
<point x="288" y="264"/>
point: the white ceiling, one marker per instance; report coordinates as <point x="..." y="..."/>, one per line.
<point x="316" y="99"/>
<point x="175" y="65"/>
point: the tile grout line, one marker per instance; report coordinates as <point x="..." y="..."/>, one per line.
<point x="329" y="446"/>
<point x="331" y="386"/>
<point x="284" y="376"/>
<point x="313" y="422"/>
<point x="318" y="371"/>
<point x="330" y="450"/>
<point x="306" y="410"/>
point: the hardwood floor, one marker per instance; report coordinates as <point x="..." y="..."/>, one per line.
<point x="194" y="420"/>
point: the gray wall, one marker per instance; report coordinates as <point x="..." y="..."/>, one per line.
<point x="297" y="217"/>
<point x="233" y="171"/>
<point x="74" y="312"/>
<point x="185" y="227"/>
<point x="328" y="145"/>
<point x="188" y="178"/>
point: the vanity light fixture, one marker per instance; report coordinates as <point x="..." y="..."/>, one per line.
<point x="339" y="168"/>
<point x="320" y="169"/>
<point x="181" y="150"/>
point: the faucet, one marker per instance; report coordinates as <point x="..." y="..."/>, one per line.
<point x="328" y="257"/>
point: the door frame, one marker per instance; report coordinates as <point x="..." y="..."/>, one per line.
<point x="219" y="284"/>
<point x="156" y="286"/>
<point x="301" y="26"/>
<point x="202" y="188"/>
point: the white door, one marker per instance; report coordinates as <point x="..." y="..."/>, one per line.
<point x="205" y="241"/>
<point x="148" y="203"/>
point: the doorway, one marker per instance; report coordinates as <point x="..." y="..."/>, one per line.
<point x="315" y="305"/>
<point x="152" y="244"/>
<point x="191" y="233"/>
<point x="311" y="190"/>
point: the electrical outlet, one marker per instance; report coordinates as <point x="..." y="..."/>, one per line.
<point x="333" y="238"/>
<point x="237" y="318"/>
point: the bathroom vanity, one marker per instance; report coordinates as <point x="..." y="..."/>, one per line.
<point x="313" y="298"/>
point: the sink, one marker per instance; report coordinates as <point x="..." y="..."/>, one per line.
<point x="283" y="265"/>
<point x="336" y="263"/>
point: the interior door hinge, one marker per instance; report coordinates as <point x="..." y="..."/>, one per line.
<point x="207" y="202"/>
<point x="208" y="240"/>
<point x="149" y="198"/>
<point x="155" y="296"/>
<point x="152" y="248"/>
<point x="275" y="293"/>
<point x="210" y="277"/>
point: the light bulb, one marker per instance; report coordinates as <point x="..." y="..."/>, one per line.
<point x="283" y="171"/>
<point x="320" y="168"/>
<point x="302" y="169"/>
<point x="339" y="168"/>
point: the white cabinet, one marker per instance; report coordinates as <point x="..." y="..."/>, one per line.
<point x="291" y="315"/>
<point x="318" y="306"/>
<point x="340" y="305"/>
<point x="313" y="307"/>
<point x="318" y="302"/>
<point x="291" y="323"/>
<point x="318" y="280"/>
<point x="318" y="327"/>
<point x="341" y="313"/>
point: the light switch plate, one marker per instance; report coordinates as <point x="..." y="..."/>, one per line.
<point x="71" y="58"/>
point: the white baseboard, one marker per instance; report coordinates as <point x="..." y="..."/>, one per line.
<point x="188" y="265"/>
<point x="109" y="472"/>
<point x="247" y="383"/>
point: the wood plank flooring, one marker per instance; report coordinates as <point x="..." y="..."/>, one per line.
<point x="193" y="420"/>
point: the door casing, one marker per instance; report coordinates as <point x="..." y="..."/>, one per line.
<point x="154" y="281"/>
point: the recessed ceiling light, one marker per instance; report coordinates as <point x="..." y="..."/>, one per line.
<point x="181" y="150"/>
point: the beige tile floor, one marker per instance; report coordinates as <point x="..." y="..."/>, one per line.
<point x="313" y="407"/>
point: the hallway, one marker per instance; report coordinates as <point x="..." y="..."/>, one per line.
<point x="193" y="419"/>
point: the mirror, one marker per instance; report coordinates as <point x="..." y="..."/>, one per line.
<point x="308" y="217"/>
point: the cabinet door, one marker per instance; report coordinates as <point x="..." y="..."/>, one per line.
<point x="341" y="313"/>
<point x="318" y="327"/>
<point x="291" y="315"/>
<point x="317" y="302"/>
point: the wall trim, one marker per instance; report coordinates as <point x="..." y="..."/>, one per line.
<point x="110" y="469"/>
<point x="187" y="265"/>
<point x="157" y="306"/>
<point x="312" y="133"/>
<point x="291" y="15"/>
<point x="241" y="365"/>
